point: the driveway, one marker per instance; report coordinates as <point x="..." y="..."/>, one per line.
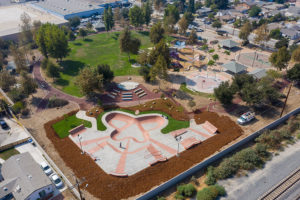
<point x="51" y="91"/>
<point x="260" y="181"/>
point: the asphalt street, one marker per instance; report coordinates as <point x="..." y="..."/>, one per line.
<point x="256" y="183"/>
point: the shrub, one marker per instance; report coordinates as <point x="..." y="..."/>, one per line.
<point x="210" y="176"/>
<point x="298" y="136"/>
<point x="248" y="159"/>
<point x="191" y="103"/>
<point x="54" y="103"/>
<point x="211" y="62"/>
<point x="16" y="94"/>
<point x="179" y="197"/>
<point x="227" y="52"/>
<point x="261" y="150"/>
<point x="162" y="95"/>
<point x="44" y="63"/>
<point x="211" y="51"/>
<point x="211" y="192"/>
<point x="204" y="47"/>
<point x="227" y="168"/>
<point x="25" y="112"/>
<point x="17" y="107"/>
<point x="187" y="190"/>
<point x="194" y="180"/>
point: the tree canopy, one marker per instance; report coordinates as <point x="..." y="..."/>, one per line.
<point x="52" y="41"/>
<point x="156" y="33"/>
<point x="294" y="73"/>
<point x="192" y="39"/>
<point x="108" y="18"/>
<point x="280" y="58"/>
<point x="106" y="72"/>
<point x="128" y="44"/>
<point x="136" y="16"/>
<point x="147" y="11"/>
<point x="245" y="31"/>
<point x="160" y="48"/>
<point x="74" y="22"/>
<point x="254" y="11"/>
<point x="224" y="93"/>
<point x="89" y="81"/>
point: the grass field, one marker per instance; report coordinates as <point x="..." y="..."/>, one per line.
<point x="8" y="153"/>
<point x="98" y="49"/>
<point x="62" y="127"/>
<point x="202" y="94"/>
<point x="173" y="124"/>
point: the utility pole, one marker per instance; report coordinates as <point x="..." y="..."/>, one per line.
<point x="77" y="184"/>
<point x="286" y="99"/>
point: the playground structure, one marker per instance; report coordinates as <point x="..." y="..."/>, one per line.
<point x="205" y="81"/>
<point x="254" y="59"/>
<point x="132" y="143"/>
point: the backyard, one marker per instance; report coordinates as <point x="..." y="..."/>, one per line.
<point x="94" y="50"/>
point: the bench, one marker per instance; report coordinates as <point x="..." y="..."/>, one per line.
<point x="117" y="91"/>
<point x="111" y="96"/>
<point x="113" y="93"/>
<point x="78" y="129"/>
<point x="127" y="93"/>
<point x="141" y="95"/>
<point x="137" y="90"/>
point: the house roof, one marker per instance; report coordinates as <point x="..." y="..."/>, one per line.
<point x="258" y="73"/>
<point x="29" y="176"/>
<point x="289" y="32"/>
<point x="229" y="43"/>
<point x="234" y="67"/>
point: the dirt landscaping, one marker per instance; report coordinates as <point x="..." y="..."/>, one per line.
<point x="105" y="186"/>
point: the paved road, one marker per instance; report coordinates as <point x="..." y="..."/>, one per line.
<point x="259" y="182"/>
<point x="51" y="91"/>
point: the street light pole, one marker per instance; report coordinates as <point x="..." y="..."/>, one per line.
<point x="178" y="140"/>
<point x="79" y="138"/>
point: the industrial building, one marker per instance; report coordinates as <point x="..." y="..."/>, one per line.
<point x="10" y="19"/>
<point x="71" y="8"/>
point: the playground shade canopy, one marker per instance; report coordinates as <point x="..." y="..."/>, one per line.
<point x="229" y="43"/>
<point x="234" y="67"/>
<point x="258" y="73"/>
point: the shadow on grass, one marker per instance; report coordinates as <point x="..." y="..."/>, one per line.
<point x="78" y="44"/>
<point x="146" y="33"/>
<point x="70" y="67"/>
<point x="35" y="101"/>
<point x="62" y="82"/>
<point x="116" y="36"/>
<point x="88" y="40"/>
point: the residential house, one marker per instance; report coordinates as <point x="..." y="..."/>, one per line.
<point x="291" y="33"/>
<point x="24" y="179"/>
<point x="203" y="12"/>
<point x="293" y="11"/>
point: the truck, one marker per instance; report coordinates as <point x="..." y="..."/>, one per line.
<point x="246" y="117"/>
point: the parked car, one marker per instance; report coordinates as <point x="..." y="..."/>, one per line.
<point x="221" y="32"/>
<point x="199" y="30"/>
<point x="246" y="117"/>
<point x="46" y="168"/>
<point x="56" y="181"/>
<point x="3" y="124"/>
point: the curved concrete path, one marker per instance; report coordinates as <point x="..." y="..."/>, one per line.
<point x="82" y="115"/>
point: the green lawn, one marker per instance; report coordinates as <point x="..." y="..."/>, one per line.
<point x="202" y="94"/>
<point x="62" y="127"/>
<point x="172" y="125"/>
<point x="8" y="153"/>
<point x="98" y="49"/>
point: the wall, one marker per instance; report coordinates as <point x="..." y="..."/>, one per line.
<point x="35" y="195"/>
<point x="202" y="165"/>
<point x="86" y="13"/>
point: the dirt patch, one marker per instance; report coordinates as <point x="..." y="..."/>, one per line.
<point x="105" y="186"/>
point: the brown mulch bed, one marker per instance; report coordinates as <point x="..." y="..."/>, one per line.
<point x="105" y="186"/>
<point x="167" y="106"/>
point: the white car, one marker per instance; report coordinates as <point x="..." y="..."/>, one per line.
<point x="56" y="181"/>
<point x="46" y="168"/>
<point x="246" y="117"/>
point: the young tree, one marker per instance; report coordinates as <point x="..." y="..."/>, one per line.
<point x="89" y="26"/>
<point x="129" y="44"/>
<point x="19" y="59"/>
<point x="156" y="33"/>
<point x="160" y="69"/>
<point x="245" y="31"/>
<point x="158" y="4"/>
<point x="262" y="34"/>
<point x="280" y="58"/>
<point x="183" y="25"/>
<point x="189" y="17"/>
<point x="108" y="19"/>
<point x="106" y="72"/>
<point x="117" y="14"/>
<point x="283" y="42"/>
<point x="28" y="84"/>
<point x="145" y="72"/>
<point x="296" y="54"/>
<point x="147" y="11"/>
<point x="6" y="80"/>
<point x="26" y="33"/>
<point x="224" y="93"/>
<point x="82" y="33"/>
<point x="215" y="57"/>
<point x="254" y="11"/>
<point x="171" y="17"/>
<point x="74" y="22"/>
<point x="89" y="81"/>
<point x="136" y="16"/>
<point x="193" y="39"/>
<point x="52" y="70"/>
<point x="275" y="34"/>
<point x="216" y="24"/>
<point x="294" y="73"/>
<point x="160" y="48"/>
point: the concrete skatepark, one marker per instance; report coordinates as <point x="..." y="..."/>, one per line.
<point x="132" y="143"/>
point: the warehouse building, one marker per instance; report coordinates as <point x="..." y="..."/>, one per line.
<point x="71" y="8"/>
<point x="10" y="19"/>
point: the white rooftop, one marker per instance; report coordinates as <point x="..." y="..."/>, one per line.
<point x="10" y="18"/>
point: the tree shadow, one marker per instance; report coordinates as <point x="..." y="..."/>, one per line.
<point x="62" y="82"/>
<point x="183" y="95"/>
<point x="116" y="36"/>
<point x="145" y="33"/>
<point x="35" y="101"/>
<point x="70" y="67"/>
<point x="78" y="44"/>
<point x="88" y="40"/>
